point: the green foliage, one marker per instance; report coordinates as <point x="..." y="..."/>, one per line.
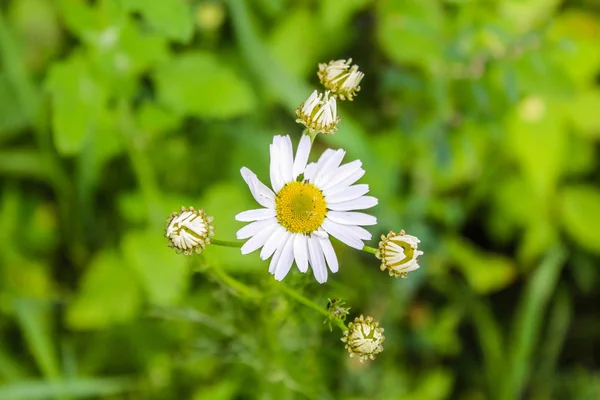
<point x="477" y="124"/>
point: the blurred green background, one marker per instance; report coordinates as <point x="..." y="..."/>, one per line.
<point x="477" y="123"/>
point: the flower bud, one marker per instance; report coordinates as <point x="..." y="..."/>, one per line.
<point x="337" y="311"/>
<point x="340" y="78"/>
<point x="364" y="338"/>
<point x="398" y="253"/>
<point x="189" y="230"/>
<point x="319" y="113"/>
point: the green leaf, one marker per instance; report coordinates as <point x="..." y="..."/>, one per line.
<point x="336" y="15"/>
<point x="77" y="388"/>
<point x="34" y="320"/>
<point x="77" y="16"/>
<point x="77" y="102"/>
<point x="411" y="31"/>
<point x="37" y="26"/>
<point x="155" y="120"/>
<point x="436" y="384"/>
<point x="486" y="272"/>
<point x="172" y="18"/>
<point x="162" y="272"/>
<point x="581" y="215"/>
<point x="539" y="236"/>
<point x="538" y="140"/>
<point x="525" y="15"/>
<point x="13" y="118"/>
<point x="295" y="44"/>
<point x="109" y="294"/>
<point x="527" y="324"/>
<point x="578" y="33"/>
<point x="202" y="85"/>
<point x="583" y="111"/>
<point x="219" y="391"/>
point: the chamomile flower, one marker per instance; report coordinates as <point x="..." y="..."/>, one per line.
<point x="189" y="230"/>
<point x="319" y="113"/>
<point x="364" y="338"/>
<point x="341" y="78"/>
<point x="306" y="205"/>
<point x="398" y="253"/>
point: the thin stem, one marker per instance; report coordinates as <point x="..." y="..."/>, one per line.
<point x="310" y="304"/>
<point x="368" y="249"/>
<point x="226" y="243"/>
<point x="233" y="283"/>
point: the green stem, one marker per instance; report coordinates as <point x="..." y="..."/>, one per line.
<point x="310" y="304"/>
<point x="368" y="249"/>
<point x="233" y="283"/>
<point x="226" y="243"/>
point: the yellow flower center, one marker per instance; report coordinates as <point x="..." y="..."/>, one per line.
<point x="409" y="252"/>
<point x="300" y="207"/>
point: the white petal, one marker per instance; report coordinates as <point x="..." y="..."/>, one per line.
<point x="320" y="232"/>
<point x="329" y="253"/>
<point x="338" y="187"/>
<point x="350" y="193"/>
<point x="255" y="215"/>
<point x="287" y="159"/>
<point x="317" y="261"/>
<point x="261" y="193"/>
<point x="255" y="227"/>
<point x="273" y="242"/>
<point x="329" y="165"/>
<point x="342" y="173"/>
<point x="275" y="166"/>
<point x="359" y="232"/>
<point x="357" y="204"/>
<point x="316" y="167"/>
<point x="301" y="156"/>
<point x="256" y="241"/>
<point x="285" y="260"/>
<point x="275" y="260"/>
<point x="309" y="171"/>
<point x="342" y="234"/>
<point x="351" y="218"/>
<point x="301" y="252"/>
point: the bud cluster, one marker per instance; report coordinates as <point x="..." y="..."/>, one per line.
<point x="190" y="230"/>
<point x="319" y="112"/>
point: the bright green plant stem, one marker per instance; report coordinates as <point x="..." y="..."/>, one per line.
<point x="310" y="304"/>
<point x="368" y="249"/>
<point x="226" y="243"/>
<point x="233" y="283"/>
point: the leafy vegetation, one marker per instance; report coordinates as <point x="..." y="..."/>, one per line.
<point x="477" y="123"/>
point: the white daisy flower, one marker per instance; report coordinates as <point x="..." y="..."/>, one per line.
<point x="399" y="253"/>
<point x="341" y="78"/>
<point x="300" y="214"/>
<point x="319" y="113"/>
